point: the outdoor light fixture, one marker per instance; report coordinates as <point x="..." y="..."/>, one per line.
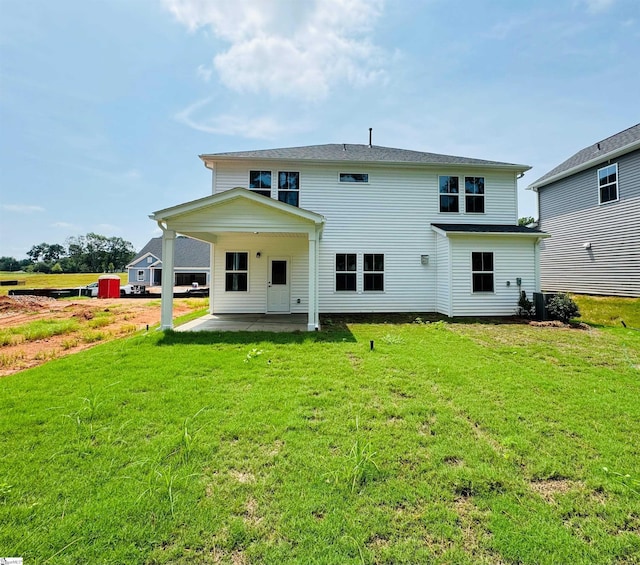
<point x="587" y="245"/>
<point x="424" y="259"/>
<point x="258" y="255"/>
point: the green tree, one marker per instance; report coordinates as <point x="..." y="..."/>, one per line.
<point x="526" y="220"/>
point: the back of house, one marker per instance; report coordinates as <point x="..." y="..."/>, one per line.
<point x="360" y="228"/>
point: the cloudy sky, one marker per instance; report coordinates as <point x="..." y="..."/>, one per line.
<point x="106" y="104"/>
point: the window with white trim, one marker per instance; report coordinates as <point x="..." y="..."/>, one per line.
<point x="260" y="182"/>
<point x="373" y="272"/>
<point x="608" y="183"/>
<point x="482" y="271"/>
<point x="346" y="267"/>
<point x="149" y="260"/>
<point x="236" y="274"/>
<point x="474" y="195"/>
<point x="354" y="177"/>
<point x="140" y="276"/>
<point x="449" y="194"/>
<point x="289" y="187"/>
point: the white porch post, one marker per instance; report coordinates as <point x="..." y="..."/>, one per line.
<point x="536" y="264"/>
<point x="312" y="320"/>
<point x="168" y="248"/>
<point x="212" y="255"/>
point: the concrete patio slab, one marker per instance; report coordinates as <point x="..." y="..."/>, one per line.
<point x="246" y="323"/>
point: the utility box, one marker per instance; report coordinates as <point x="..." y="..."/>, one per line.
<point x="109" y="286"/>
<point x="540" y="301"/>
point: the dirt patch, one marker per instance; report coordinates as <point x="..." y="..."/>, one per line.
<point x="98" y="320"/>
<point x="549" y="489"/>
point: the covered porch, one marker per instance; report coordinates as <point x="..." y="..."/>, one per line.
<point x="264" y="254"/>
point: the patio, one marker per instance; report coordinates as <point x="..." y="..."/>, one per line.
<point x="246" y="323"/>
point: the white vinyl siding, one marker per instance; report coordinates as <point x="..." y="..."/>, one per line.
<point x="255" y="299"/>
<point x="389" y="215"/>
<point x="513" y="257"/>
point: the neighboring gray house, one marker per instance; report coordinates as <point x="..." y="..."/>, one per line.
<point x="192" y="260"/>
<point x="590" y="204"/>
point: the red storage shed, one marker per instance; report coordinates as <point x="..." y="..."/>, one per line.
<point x="109" y="286"/>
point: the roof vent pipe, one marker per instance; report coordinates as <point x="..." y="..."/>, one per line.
<point x="370" y="130"/>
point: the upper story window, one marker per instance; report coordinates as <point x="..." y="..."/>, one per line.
<point x="260" y="182"/>
<point x="449" y="194"/>
<point x="149" y="259"/>
<point x="346" y="271"/>
<point x="482" y="271"/>
<point x="289" y="187"/>
<point x="354" y="177"/>
<point x="608" y="183"/>
<point x="474" y="195"/>
<point x="373" y="272"/>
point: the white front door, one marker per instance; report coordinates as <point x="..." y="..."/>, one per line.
<point x="278" y="292"/>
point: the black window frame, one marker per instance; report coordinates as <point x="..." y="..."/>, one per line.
<point x="483" y="271"/>
<point x="474" y="201"/>
<point x="256" y="183"/>
<point x="448" y="195"/>
<point x="346" y="272"/>
<point x="373" y="272"/>
<point x="360" y="178"/>
<point x="236" y="271"/>
<point x="286" y="193"/>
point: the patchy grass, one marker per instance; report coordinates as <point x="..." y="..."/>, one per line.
<point x="38" y="329"/>
<point x="609" y="310"/>
<point x="446" y="443"/>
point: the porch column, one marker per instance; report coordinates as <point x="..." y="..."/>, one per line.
<point x="168" y="247"/>
<point x="212" y="255"/>
<point x="312" y="320"/>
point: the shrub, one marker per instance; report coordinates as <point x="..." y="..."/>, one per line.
<point x="562" y="307"/>
<point x="525" y="306"/>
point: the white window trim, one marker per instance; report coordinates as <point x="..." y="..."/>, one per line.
<point x="225" y="271"/>
<point x="336" y="272"/>
<point x="384" y="278"/>
<point x="257" y="190"/>
<point x="456" y="194"/>
<point x="493" y="272"/>
<point x="140" y="275"/>
<point x="297" y="191"/>
<point x="483" y="195"/>
<point x="353" y="173"/>
<point x="617" y="183"/>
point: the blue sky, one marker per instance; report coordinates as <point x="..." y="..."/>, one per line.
<point x="106" y="104"/>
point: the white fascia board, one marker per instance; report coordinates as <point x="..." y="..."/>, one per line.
<point x="238" y="192"/>
<point x="586" y="165"/>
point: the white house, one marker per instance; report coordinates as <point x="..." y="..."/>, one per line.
<point x="344" y="228"/>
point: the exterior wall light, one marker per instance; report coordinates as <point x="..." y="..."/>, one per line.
<point x="258" y="255"/>
<point x="424" y="259"/>
<point x="587" y="245"/>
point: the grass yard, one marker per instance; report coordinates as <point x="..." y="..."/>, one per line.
<point x="41" y="280"/>
<point x="447" y="443"/>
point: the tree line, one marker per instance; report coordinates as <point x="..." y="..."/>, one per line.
<point x="91" y="253"/>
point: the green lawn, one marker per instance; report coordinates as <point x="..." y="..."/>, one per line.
<point x="446" y="443"/>
<point x="41" y="280"/>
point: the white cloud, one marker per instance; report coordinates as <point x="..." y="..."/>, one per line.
<point x="67" y="226"/>
<point x="22" y="208"/>
<point x="204" y="73"/>
<point x="292" y="48"/>
<point x="198" y="116"/>
<point x="597" y="6"/>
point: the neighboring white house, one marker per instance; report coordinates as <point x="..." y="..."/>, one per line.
<point x="344" y="228"/>
<point x="590" y="204"/>
<point x="191" y="263"/>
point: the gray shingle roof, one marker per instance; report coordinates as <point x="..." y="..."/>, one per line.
<point x="487" y="228"/>
<point x="188" y="252"/>
<point x="599" y="151"/>
<point x="348" y="152"/>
